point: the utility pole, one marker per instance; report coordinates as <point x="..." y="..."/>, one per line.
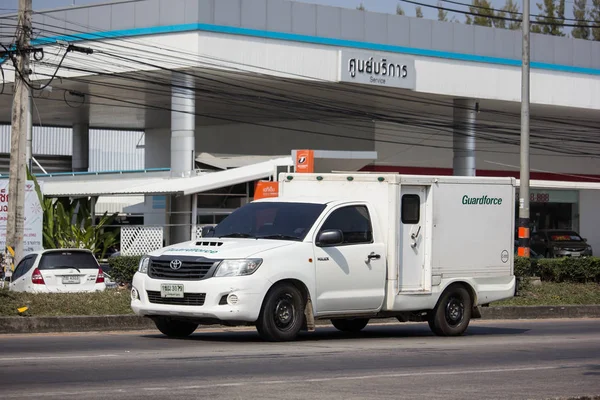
<point x="18" y="142"/>
<point x="524" y="174"/>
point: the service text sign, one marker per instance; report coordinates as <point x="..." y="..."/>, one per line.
<point x="395" y="70"/>
<point x="34" y="218"/>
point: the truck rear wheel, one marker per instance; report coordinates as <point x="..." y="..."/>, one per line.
<point x="452" y="314"/>
<point x="174" y="328"/>
<point x="282" y="314"/>
<point x="350" y="325"/>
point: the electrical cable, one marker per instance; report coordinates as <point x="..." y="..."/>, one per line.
<point x="499" y="17"/>
<point x="158" y="47"/>
<point x="3" y="79"/>
<point x="91" y="82"/>
<point x="509" y="12"/>
<point x="448" y="105"/>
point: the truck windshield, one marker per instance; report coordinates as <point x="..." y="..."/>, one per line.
<point x="270" y="220"/>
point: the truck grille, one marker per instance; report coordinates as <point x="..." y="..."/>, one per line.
<point x="188" y="271"/>
<point x="188" y="299"/>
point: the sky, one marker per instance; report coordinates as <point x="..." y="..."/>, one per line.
<point x="384" y="6"/>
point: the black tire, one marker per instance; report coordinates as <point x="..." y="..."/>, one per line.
<point x="282" y="314"/>
<point x="452" y="314"/>
<point x="174" y="328"/>
<point x="350" y="325"/>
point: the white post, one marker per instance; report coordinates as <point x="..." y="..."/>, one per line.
<point x="194" y="215"/>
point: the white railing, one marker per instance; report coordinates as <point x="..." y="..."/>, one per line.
<point x="139" y="240"/>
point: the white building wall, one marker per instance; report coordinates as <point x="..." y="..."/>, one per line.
<point x="589" y="221"/>
<point x="48" y="140"/>
<point x="116" y="150"/>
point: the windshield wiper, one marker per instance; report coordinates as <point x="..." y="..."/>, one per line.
<point x="279" y="236"/>
<point x="237" y="234"/>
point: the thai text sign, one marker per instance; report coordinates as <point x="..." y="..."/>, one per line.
<point x="34" y="218"/>
<point x="392" y="70"/>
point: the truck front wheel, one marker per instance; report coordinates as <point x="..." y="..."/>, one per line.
<point x="350" y="325"/>
<point x="282" y="314"/>
<point x="174" y="328"/>
<point x="452" y="314"/>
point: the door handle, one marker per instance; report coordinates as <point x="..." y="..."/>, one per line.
<point x="416" y="235"/>
<point x="373" y="256"/>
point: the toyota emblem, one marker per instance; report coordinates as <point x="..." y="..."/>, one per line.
<point x="175" y="264"/>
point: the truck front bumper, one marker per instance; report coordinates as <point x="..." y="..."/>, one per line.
<point x="226" y="299"/>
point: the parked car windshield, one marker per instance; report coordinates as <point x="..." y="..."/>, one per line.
<point x="270" y="220"/>
<point x="565" y="236"/>
<point x="68" y="259"/>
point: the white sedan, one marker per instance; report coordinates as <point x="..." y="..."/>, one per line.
<point x="58" y="270"/>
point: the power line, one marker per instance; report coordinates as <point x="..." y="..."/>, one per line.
<point x="93" y="71"/>
<point x="306" y="83"/>
<point x="352" y="91"/>
<point x="499" y="17"/>
<point x="508" y="12"/>
<point x="229" y="119"/>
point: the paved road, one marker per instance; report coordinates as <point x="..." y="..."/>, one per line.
<point x="496" y="360"/>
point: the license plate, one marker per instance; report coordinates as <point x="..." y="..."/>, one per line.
<point x="171" y="290"/>
<point x="70" y="279"/>
<point x="574" y="254"/>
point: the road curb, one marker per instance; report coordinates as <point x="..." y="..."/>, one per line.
<point x="104" y="323"/>
<point x="541" y="312"/>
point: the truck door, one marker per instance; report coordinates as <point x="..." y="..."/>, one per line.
<point x="414" y="274"/>
<point x="350" y="276"/>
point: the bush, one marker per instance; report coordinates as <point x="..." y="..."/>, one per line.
<point x="523" y="267"/>
<point x="580" y="270"/>
<point x="123" y="268"/>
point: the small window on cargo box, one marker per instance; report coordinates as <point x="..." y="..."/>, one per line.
<point x="411" y="209"/>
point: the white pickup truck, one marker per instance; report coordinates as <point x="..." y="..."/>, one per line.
<point x="348" y="247"/>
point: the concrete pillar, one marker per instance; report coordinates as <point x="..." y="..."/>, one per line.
<point x="81" y="147"/>
<point x="183" y="124"/>
<point x="465" y="116"/>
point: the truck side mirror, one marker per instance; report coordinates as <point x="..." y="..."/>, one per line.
<point x="207" y="231"/>
<point x="331" y="237"/>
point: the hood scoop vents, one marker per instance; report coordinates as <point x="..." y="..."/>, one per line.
<point x="209" y="243"/>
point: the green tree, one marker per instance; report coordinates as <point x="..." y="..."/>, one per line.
<point x="484" y="13"/>
<point x="552" y="12"/>
<point x="361" y="7"/>
<point x="595" y="17"/>
<point x="419" y="12"/>
<point x="579" y="13"/>
<point x="399" y="10"/>
<point x="69" y="224"/>
<point x="442" y="14"/>
<point x="511" y="10"/>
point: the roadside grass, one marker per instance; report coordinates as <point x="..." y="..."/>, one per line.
<point x="116" y="302"/>
<point x="109" y="302"/>
<point x="555" y="294"/>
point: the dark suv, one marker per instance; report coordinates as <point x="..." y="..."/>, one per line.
<point x="560" y="243"/>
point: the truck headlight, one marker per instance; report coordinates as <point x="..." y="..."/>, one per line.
<point x="238" y="267"/>
<point x="143" y="267"/>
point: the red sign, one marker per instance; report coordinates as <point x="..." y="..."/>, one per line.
<point x="305" y="161"/>
<point x="265" y="189"/>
